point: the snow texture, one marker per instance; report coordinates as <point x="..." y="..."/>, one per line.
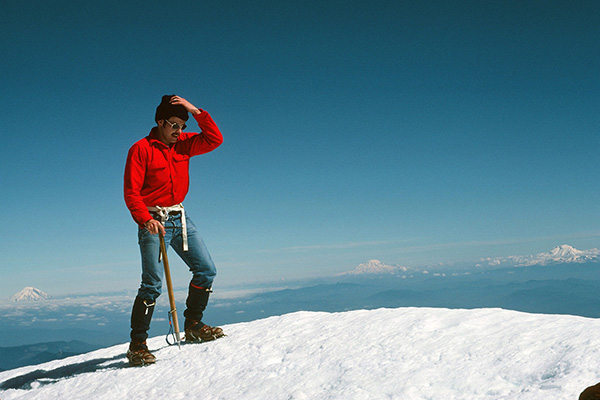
<point x="404" y="353"/>
<point x="29" y="294"/>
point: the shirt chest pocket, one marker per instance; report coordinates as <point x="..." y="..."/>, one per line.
<point x="157" y="169"/>
<point x="180" y="164"/>
<point x="178" y="158"/>
<point x="163" y="167"/>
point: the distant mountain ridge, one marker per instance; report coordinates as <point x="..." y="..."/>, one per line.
<point x="376" y="267"/>
<point x="566" y="254"/>
<point x="563" y="254"/>
<point x="29" y="294"/>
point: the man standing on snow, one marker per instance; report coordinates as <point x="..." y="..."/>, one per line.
<point x="156" y="183"/>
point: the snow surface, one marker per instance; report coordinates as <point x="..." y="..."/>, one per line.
<point x="403" y="353"/>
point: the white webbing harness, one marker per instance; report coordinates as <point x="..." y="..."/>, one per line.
<point x="163" y="213"/>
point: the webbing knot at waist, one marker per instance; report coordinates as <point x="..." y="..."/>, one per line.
<point x="163" y="213"/>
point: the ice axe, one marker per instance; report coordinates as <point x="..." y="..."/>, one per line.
<point x="173" y="312"/>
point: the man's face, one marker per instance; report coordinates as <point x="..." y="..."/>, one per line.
<point x="170" y="129"/>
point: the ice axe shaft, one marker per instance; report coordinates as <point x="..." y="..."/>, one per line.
<point x="173" y="312"/>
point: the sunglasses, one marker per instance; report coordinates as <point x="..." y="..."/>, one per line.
<point x="175" y="125"/>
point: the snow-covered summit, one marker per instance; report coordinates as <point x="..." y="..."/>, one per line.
<point x="404" y="353"/>
<point x="563" y="254"/>
<point x="565" y="251"/>
<point x="375" y="267"/>
<point x="29" y="294"/>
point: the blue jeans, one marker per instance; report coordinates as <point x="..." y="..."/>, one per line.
<point x="197" y="257"/>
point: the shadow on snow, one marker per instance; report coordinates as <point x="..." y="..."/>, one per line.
<point x="47" y="377"/>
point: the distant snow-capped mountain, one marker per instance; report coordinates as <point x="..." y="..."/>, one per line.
<point x="563" y="254"/>
<point x="375" y="267"/>
<point x="29" y="294"/>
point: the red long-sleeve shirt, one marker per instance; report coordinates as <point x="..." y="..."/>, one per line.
<point x="158" y="175"/>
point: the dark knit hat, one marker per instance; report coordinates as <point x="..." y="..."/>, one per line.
<point x="166" y="110"/>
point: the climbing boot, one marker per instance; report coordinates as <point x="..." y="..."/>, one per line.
<point x="196" y="332"/>
<point x="139" y="355"/>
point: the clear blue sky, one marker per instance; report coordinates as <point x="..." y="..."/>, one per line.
<point x="414" y="132"/>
